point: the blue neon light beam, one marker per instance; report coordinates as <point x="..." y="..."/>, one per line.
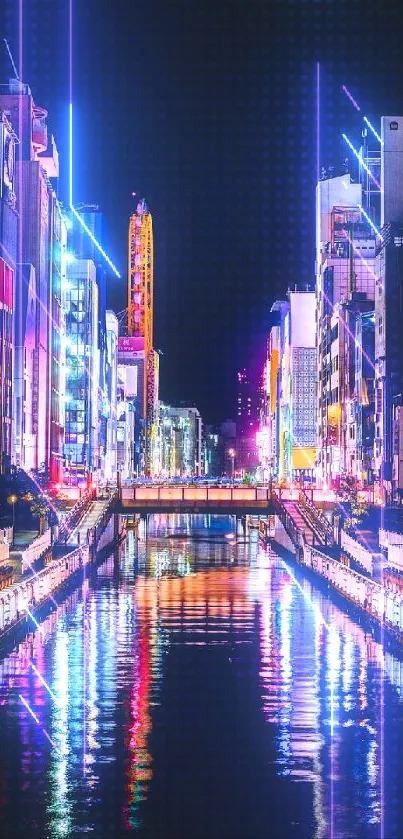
<point x="73" y="209"/>
<point x="360" y="159"/>
<point x="370" y="222"/>
<point x="375" y="133"/>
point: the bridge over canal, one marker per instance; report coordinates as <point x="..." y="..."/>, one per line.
<point x="196" y="499"/>
<point x="301" y="518"/>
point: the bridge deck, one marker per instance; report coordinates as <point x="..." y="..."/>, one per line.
<point x="195" y="499"/>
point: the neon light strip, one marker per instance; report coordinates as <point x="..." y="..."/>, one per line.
<point x="95" y="242"/>
<point x="370" y="222"/>
<point x="350" y="97"/>
<point x="72" y="208"/>
<point x="360" y="160"/>
<point x="71" y="154"/>
<point x="375" y="133"/>
<point x="318" y="121"/>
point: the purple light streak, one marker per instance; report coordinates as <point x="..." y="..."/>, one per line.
<point x="350" y="97"/>
<point x="317" y="121"/>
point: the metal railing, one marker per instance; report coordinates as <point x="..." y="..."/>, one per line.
<point x="296" y="535"/>
<point x="74" y="516"/>
<point x="94" y="533"/>
<point x="316" y="519"/>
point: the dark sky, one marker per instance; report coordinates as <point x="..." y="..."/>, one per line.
<point x="208" y="110"/>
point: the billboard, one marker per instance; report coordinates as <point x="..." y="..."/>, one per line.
<point x="131" y="347"/>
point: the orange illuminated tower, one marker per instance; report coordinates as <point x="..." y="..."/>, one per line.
<point x="140" y="307"/>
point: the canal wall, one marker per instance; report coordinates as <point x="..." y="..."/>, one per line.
<point x="281" y="536"/>
<point x="380" y="604"/>
<point x="27" y="596"/>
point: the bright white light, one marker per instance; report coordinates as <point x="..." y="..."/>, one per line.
<point x="360" y="159"/>
<point x="375" y="133"/>
<point x="370" y="222"/>
<point x="69" y="257"/>
<point x="73" y="210"/>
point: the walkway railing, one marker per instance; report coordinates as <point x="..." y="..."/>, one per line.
<point x="316" y="519"/>
<point x="296" y="535"/>
<point x="36" y="549"/>
<point x="72" y="519"/>
<point x="94" y="533"/>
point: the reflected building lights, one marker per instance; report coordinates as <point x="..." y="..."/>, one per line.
<point x="59" y="807"/>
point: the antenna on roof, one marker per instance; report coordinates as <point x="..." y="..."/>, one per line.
<point x="11" y="59"/>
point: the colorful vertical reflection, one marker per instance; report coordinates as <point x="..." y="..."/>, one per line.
<point x="316" y="676"/>
<point x="206" y="649"/>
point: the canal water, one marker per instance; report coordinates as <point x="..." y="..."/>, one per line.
<point x="198" y="686"/>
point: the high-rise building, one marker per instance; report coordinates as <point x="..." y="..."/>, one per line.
<point x="345" y="286"/>
<point x="41" y="244"/>
<point x="81" y="448"/>
<point x="180" y="441"/>
<point x="365" y="393"/>
<point x="81" y="242"/>
<point x="389" y="312"/>
<point x="287" y="437"/>
<point x="111" y="385"/>
<point x="131" y="374"/>
<point x="247" y="400"/>
<point x="8" y="261"/>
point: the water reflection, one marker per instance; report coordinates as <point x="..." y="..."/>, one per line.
<point x="190" y="686"/>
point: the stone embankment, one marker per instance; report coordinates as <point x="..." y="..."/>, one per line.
<point x="21" y="599"/>
<point x="381" y="601"/>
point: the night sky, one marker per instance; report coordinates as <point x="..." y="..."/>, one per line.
<point x="208" y="110"/>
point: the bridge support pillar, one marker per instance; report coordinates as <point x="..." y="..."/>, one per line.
<point x="143" y="526"/>
<point x="116" y="525"/>
<point x="240" y="526"/>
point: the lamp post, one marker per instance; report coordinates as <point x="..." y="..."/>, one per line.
<point x="231" y="454"/>
<point x="12" y="499"/>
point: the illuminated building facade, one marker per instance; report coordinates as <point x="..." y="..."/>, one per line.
<point x="389" y="314"/>
<point x="81" y="448"/>
<point x="268" y="440"/>
<point x="180" y="442"/>
<point x="140" y="313"/>
<point x="246" y="403"/>
<point x="125" y="419"/>
<point x="131" y="434"/>
<point x="211" y="452"/>
<point x="57" y="341"/>
<point x="111" y="387"/>
<point x="8" y="260"/>
<point x="38" y="444"/>
<point x="82" y="245"/>
<point x="287" y="436"/>
<point x="345" y="287"/>
<point x="365" y="396"/>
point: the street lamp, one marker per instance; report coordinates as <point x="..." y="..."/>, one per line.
<point x="12" y="499"/>
<point x="231" y="454"/>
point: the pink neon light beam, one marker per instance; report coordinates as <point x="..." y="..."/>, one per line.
<point x="350" y="97"/>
